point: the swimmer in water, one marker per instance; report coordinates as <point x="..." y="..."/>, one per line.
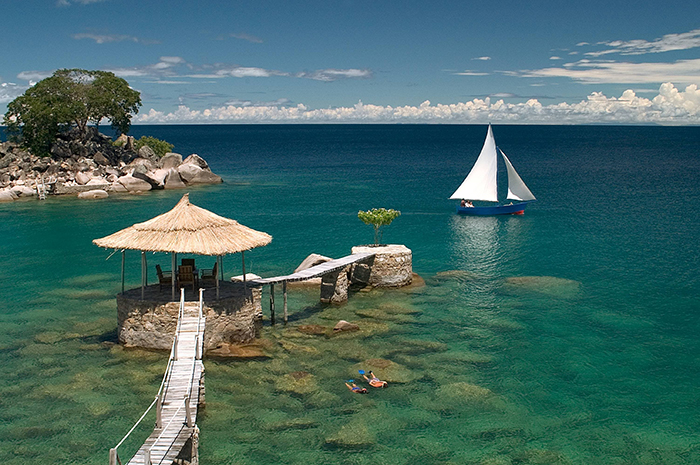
<point x="374" y="381"/>
<point x="355" y="388"/>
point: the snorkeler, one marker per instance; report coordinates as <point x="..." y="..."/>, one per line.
<point x="355" y="388"/>
<point x="373" y="380"/>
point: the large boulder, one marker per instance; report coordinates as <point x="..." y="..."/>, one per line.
<point x="116" y="186"/>
<point x="173" y="180"/>
<point x="141" y="172"/>
<point x="133" y="184"/>
<point x="7" y="196"/>
<point x="97" y="181"/>
<point x="188" y="171"/>
<point x="147" y="152"/>
<point x="23" y="191"/>
<point x="312" y="260"/>
<point x="170" y="160"/>
<point x="195" y="159"/>
<point x="206" y="177"/>
<point x="100" y="159"/>
<point x="140" y="161"/>
<point x="94" y="194"/>
<point x="82" y="178"/>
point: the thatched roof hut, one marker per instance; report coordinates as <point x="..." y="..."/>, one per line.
<point x="187" y="228"/>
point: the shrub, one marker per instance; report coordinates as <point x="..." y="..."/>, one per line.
<point x="160" y="147"/>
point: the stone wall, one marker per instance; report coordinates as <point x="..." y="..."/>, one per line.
<point x="151" y="323"/>
<point x="392" y="266"/>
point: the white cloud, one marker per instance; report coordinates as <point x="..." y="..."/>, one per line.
<point x="34" y="75"/>
<point x="332" y="74"/>
<point x="555" y="58"/>
<point x="10" y="91"/>
<point x="164" y="67"/>
<point x="107" y="38"/>
<point x="246" y="37"/>
<point x="667" y="43"/>
<point x="482" y="58"/>
<point x="74" y="2"/>
<point x="670" y="106"/>
<point x="470" y="73"/>
<point x="613" y="72"/>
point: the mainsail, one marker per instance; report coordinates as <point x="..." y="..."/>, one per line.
<point x="517" y="190"/>
<point x="480" y="183"/>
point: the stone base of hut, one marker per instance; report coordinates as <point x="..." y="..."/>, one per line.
<point x="150" y="323"/>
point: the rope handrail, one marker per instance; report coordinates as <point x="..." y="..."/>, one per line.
<point x="168" y="370"/>
<point x="169" y="423"/>
<point x="137" y="423"/>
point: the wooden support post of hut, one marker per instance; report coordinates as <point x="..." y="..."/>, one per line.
<point x="284" y="290"/>
<point x="272" y="304"/>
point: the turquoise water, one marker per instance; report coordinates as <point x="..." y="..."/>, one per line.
<point x="567" y="335"/>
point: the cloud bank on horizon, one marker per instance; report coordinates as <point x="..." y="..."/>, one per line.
<point x="670" y="106"/>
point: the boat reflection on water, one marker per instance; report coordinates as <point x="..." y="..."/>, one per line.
<point x="487" y="249"/>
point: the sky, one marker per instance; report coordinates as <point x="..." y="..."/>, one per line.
<point x="309" y="61"/>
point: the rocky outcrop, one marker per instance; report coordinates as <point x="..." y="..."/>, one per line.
<point x="78" y="164"/>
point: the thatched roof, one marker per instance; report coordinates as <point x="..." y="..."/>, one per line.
<point x="187" y="228"/>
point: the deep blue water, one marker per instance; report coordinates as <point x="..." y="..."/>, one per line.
<point x="592" y="357"/>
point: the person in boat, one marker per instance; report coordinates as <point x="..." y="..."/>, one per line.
<point x="375" y="382"/>
<point x="355" y="388"/>
<point x="469" y="204"/>
<point x="463" y="203"/>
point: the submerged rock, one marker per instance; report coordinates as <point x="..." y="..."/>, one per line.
<point x="461" y="393"/>
<point x="549" y="285"/>
<point x="314" y="330"/>
<point x="247" y="351"/>
<point x="298" y="382"/>
<point x="343" y="325"/>
<point x="386" y="370"/>
<point x="353" y="435"/>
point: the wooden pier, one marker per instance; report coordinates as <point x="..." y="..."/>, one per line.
<point x="179" y="396"/>
<point x="326" y="268"/>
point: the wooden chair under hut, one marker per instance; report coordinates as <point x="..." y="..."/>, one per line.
<point x="186" y="229"/>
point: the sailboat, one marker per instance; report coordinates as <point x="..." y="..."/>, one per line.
<point x="481" y="184"/>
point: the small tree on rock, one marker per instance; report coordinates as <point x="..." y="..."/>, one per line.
<point x="378" y="217"/>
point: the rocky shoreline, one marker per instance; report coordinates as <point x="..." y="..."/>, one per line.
<point x="93" y="167"/>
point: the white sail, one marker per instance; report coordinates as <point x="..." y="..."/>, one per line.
<point x="480" y="183"/>
<point x="517" y="190"/>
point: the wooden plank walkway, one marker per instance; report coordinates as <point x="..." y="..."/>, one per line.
<point x="314" y="271"/>
<point x="166" y="443"/>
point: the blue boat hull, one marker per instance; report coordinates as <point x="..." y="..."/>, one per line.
<point x="514" y="209"/>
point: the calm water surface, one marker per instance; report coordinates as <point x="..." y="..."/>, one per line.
<point x="568" y="335"/>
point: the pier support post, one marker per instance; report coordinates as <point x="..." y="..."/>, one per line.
<point x="272" y="303"/>
<point x="334" y="287"/>
<point x="159" y="413"/>
<point x="143" y="275"/>
<point x="113" y="456"/>
<point x="188" y="412"/>
<point x="284" y="290"/>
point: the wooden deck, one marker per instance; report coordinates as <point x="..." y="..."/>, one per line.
<point x="175" y="417"/>
<point x="314" y="271"/>
<point x="185" y="374"/>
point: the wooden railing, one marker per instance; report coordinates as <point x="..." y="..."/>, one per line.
<point x="163" y="389"/>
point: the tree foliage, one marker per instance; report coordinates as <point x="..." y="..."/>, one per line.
<point x="160" y="147"/>
<point x="378" y="217"/>
<point x="70" y="98"/>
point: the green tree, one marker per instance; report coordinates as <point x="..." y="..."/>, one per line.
<point x="70" y="98"/>
<point x="378" y="217"/>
